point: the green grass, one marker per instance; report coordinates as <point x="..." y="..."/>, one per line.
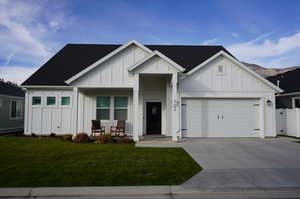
<point x="26" y="161"/>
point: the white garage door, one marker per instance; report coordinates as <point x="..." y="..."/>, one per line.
<point x="220" y="118"/>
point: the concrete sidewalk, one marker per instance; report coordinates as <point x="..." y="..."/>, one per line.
<point x="136" y="191"/>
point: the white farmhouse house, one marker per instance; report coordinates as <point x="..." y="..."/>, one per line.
<point x="171" y="90"/>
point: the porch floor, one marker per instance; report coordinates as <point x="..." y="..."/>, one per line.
<point x="149" y="139"/>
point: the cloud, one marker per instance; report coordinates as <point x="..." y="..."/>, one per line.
<point x="271" y="52"/>
<point x="17" y="74"/>
<point x="267" y="48"/>
<point x="209" y="42"/>
<point x="27" y="29"/>
<point x="28" y="35"/>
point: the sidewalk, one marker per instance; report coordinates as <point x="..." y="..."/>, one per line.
<point x="171" y="191"/>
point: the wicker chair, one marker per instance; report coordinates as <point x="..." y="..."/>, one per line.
<point x="119" y="129"/>
<point x="97" y="128"/>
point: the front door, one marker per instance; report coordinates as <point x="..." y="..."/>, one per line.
<point x="153" y="116"/>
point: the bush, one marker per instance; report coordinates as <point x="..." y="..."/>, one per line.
<point x="33" y="135"/>
<point x="68" y="137"/>
<point x="123" y="140"/>
<point x="52" y="135"/>
<point x="82" y="138"/>
<point x="103" y="139"/>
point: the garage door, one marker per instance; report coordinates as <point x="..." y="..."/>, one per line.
<point x="220" y="117"/>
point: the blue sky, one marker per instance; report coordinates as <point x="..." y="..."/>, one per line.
<point x="263" y="32"/>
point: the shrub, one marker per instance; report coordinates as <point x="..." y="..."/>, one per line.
<point x="33" y="135"/>
<point x="123" y="140"/>
<point x="52" y="134"/>
<point x="68" y="137"/>
<point x="103" y="139"/>
<point x="82" y="138"/>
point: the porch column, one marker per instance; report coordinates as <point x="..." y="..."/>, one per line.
<point x="75" y="111"/>
<point x="174" y="107"/>
<point x="136" y="108"/>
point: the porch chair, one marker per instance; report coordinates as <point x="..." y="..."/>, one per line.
<point x="119" y="129"/>
<point x="97" y="128"/>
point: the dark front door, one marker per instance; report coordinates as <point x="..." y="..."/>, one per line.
<point x="153" y="123"/>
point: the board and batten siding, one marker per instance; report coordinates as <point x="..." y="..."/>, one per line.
<point x="114" y="71"/>
<point x="7" y="124"/>
<point x="234" y="82"/>
<point x="43" y="119"/>
<point x="87" y="111"/>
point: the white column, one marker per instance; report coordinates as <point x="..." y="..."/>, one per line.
<point x="26" y="112"/>
<point x="174" y="107"/>
<point x="136" y="108"/>
<point x="75" y="110"/>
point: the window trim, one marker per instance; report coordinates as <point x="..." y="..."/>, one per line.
<point x="60" y="101"/>
<point x="37" y="105"/>
<point x="10" y="109"/>
<point x="293" y="101"/>
<point x="52" y="105"/>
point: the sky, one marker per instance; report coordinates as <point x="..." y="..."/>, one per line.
<point x="257" y="31"/>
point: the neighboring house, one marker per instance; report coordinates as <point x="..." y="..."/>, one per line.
<point x="11" y="107"/>
<point x="290" y="83"/>
<point x="172" y="90"/>
<point x="288" y="102"/>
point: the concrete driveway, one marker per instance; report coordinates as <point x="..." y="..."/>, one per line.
<point x="243" y="163"/>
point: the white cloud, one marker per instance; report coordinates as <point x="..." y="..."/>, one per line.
<point x="209" y="42"/>
<point x="268" y="48"/>
<point x="17" y="74"/>
<point x="27" y="35"/>
<point x="278" y="52"/>
<point x="26" y="28"/>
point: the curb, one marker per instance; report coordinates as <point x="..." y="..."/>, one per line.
<point x="124" y="191"/>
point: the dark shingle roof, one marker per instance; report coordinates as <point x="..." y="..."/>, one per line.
<point x="73" y="58"/>
<point x="12" y="90"/>
<point x="289" y="81"/>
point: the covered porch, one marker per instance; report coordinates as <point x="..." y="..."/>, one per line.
<point x="150" y="108"/>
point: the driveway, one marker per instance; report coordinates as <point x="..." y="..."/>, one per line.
<point x="243" y="163"/>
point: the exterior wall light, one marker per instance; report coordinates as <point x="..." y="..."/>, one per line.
<point x="269" y="102"/>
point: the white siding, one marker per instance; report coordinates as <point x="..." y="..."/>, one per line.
<point x="43" y="119"/>
<point x="113" y="72"/>
<point x="235" y="82"/>
<point x="234" y="79"/>
<point x="87" y="111"/>
<point x="156" y="65"/>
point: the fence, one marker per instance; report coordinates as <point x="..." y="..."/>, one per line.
<point x="288" y="122"/>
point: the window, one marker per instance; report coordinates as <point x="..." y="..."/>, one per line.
<point x="65" y="101"/>
<point x="296" y="102"/>
<point x="103" y="108"/>
<point x="15" y="110"/>
<point x="51" y="101"/>
<point x="120" y="108"/>
<point x="36" y="100"/>
<point x="220" y="69"/>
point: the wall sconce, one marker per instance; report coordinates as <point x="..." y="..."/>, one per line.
<point x="269" y="102"/>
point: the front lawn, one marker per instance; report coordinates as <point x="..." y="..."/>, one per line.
<point x="26" y="161"/>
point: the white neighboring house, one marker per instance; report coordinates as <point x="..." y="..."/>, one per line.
<point x="11" y="108"/>
<point x="191" y="91"/>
